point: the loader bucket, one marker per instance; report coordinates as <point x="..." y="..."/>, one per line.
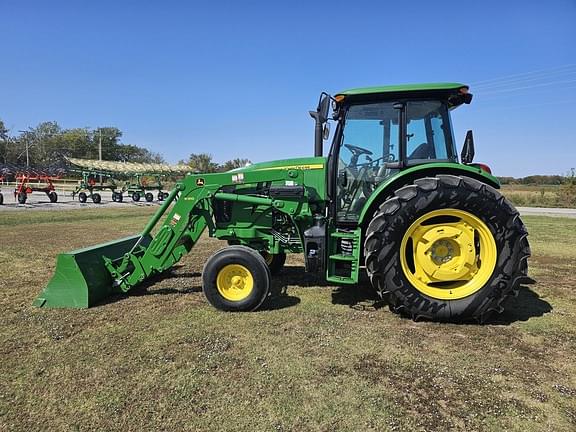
<point x="81" y="280"/>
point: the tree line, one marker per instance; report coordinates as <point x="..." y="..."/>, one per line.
<point x="204" y="162"/>
<point x="535" y="180"/>
<point x="48" y="142"/>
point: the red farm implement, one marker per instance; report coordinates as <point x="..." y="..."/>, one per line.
<point x="2" y="179"/>
<point x="29" y="181"/>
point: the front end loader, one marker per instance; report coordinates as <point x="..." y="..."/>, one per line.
<point x="391" y="199"/>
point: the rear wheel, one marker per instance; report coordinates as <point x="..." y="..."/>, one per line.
<point x="1" y="199"/>
<point x="236" y="279"/>
<point x="53" y="196"/>
<point x="274" y="261"/>
<point x="136" y="196"/>
<point x="149" y="197"/>
<point x="82" y="197"/>
<point x="160" y="196"/>
<point x="446" y="248"/>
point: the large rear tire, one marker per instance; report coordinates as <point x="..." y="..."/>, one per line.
<point x="446" y="248"/>
<point x="236" y="278"/>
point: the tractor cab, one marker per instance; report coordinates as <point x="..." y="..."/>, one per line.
<point x="382" y="130"/>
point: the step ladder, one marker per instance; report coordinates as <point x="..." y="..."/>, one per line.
<point x="343" y="256"/>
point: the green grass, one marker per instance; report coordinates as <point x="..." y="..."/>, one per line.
<point x="317" y="359"/>
<point x="85" y="216"/>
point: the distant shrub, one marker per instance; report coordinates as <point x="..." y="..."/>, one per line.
<point x="567" y="192"/>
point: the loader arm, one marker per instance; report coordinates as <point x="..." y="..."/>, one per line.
<point x="87" y="276"/>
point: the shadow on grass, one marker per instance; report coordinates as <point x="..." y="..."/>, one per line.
<point x="279" y="301"/>
<point x="296" y="275"/>
<point x="528" y="304"/>
<point x="361" y="296"/>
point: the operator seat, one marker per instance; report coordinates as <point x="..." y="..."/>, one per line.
<point x="423" y="151"/>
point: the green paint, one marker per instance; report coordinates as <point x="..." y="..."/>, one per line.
<point x="427" y="169"/>
<point x="343" y="267"/>
<point x="81" y="279"/>
<point x="402" y="88"/>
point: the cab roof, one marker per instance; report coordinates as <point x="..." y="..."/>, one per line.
<point x="402" y="88"/>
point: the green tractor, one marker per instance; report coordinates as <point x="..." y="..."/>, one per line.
<point x="434" y="236"/>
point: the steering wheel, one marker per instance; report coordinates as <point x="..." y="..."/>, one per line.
<point x="357" y="151"/>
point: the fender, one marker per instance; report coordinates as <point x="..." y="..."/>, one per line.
<point x="408" y="175"/>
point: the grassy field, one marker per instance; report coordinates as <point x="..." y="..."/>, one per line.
<point x="534" y="195"/>
<point x="317" y="358"/>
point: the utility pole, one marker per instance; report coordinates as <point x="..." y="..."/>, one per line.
<point x="100" y="149"/>
<point x="26" y="143"/>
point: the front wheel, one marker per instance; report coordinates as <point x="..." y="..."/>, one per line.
<point x="53" y="196"/>
<point x="446" y="248"/>
<point x="236" y="278"/>
<point x="22" y="196"/>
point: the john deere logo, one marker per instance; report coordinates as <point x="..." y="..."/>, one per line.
<point x="199" y="182"/>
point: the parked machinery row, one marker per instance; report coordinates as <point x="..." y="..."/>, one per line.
<point x="94" y="182"/>
<point x="139" y="181"/>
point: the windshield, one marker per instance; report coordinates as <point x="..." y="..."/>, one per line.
<point x="371" y="145"/>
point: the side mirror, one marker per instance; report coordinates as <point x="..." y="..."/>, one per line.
<point x="323" y="107"/>
<point x="320" y="117"/>
<point x="467" y="155"/>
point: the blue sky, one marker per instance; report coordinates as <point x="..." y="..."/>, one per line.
<point x="236" y="79"/>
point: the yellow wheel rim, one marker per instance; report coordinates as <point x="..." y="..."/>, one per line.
<point x="234" y="282"/>
<point x="448" y="254"/>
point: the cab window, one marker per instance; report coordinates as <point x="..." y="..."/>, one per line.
<point x="428" y="132"/>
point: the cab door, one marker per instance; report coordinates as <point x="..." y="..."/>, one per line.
<point x="370" y="141"/>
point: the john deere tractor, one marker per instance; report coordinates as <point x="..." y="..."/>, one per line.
<point x="391" y="200"/>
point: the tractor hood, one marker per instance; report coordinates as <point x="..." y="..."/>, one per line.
<point x="307" y="163"/>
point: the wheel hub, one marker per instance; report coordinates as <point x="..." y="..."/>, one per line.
<point x="442" y="251"/>
<point x="452" y="254"/>
<point x="234" y="282"/>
